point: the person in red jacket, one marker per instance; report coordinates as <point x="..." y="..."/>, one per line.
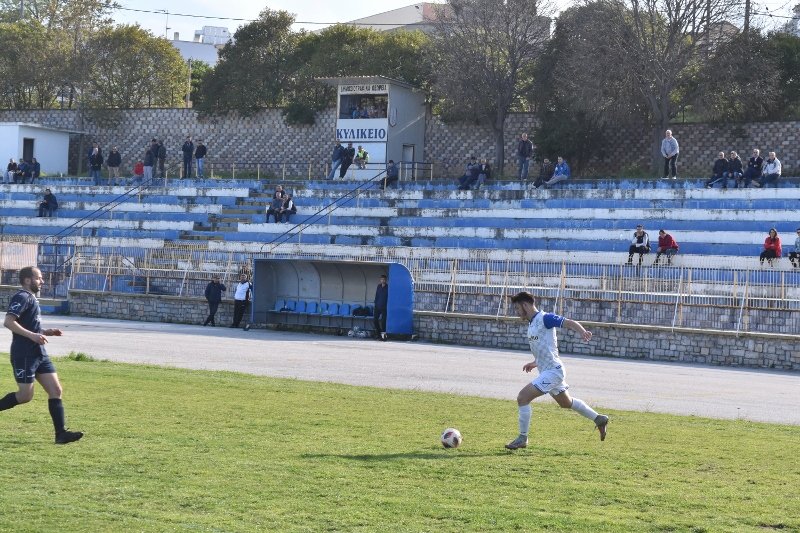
<point x="772" y="247"/>
<point x="666" y="245"/>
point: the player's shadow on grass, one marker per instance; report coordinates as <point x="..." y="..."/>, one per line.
<point x="428" y="456"/>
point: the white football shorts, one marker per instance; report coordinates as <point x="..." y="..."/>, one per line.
<point x="551" y="381"/>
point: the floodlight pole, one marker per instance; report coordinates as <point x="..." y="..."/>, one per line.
<point x="21" y="9"/>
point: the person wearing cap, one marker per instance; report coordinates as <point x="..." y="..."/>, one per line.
<point x="213" y="293"/>
<point x="200" y="155"/>
<point x="639" y="245"/>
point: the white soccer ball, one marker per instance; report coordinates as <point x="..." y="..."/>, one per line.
<point x="451" y="438"/>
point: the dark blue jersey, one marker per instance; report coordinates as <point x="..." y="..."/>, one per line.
<point x="25" y="307"/>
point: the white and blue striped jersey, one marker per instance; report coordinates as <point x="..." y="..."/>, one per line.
<point x="542" y="340"/>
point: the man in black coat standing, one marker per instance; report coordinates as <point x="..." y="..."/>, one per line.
<point x="188" y="153"/>
<point x="347" y="159"/>
<point x="214" y="291"/>
<point x="381" y="305"/>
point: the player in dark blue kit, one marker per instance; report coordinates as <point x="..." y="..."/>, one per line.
<point x="28" y="355"/>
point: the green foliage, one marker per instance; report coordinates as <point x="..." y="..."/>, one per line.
<point x="180" y="450"/>
<point x="199" y="71"/>
<point x="786" y="50"/>
<point x="80" y="357"/>
<point x="119" y="61"/>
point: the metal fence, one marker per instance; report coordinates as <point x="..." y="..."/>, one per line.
<point x="452" y="281"/>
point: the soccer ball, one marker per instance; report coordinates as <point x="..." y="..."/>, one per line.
<point x="451" y="438"/>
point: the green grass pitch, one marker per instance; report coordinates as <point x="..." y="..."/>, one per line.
<point x="179" y="450"/>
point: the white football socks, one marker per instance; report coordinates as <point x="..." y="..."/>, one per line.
<point x="524" y="419"/>
<point x="583" y="409"/>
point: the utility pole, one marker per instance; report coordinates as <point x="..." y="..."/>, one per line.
<point x="746" y="18"/>
<point x="21" y="9"/>
<point x="189" y="92"/>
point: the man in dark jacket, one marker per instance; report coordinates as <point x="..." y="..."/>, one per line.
<point x="275" y="206"/>
<point x="381" y="305"/>
<point x="336" y="159"/>
<point x="753" y="171"/>
<point x="545" y="173"/>
<point x="720" y="172"/>
<point x="161" y="155"/>
<point x="96" y="164"/>
<point x="114" y="161"/>
<point x="36" y="170"/>
<point x="347" y="159"/>
<point x="25" y="171"/>
<point x="188" y="153"/>
<point x="200" y="155"/>
<point x="149" y="160"/>
<point x="48" y="205"/>
<point x="214" y="291"/>
<point x="524" y="153"/>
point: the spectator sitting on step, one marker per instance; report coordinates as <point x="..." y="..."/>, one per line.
<point x="770" y="172"/>
<point x="11" y="171"/>
<point x="276" y="205"/>
<point x="470" y="174"/>
<point x="735" y="167"/>
<point x="24" y="172"/>
<point x="720" y="172"/>
<point x="48" y="205"/>
<point x="278" y="192"/>
<point x="772" y="247"/>
<point x="392" y="175"/>
<point x="484" y="173"/>
<point x="560" y="173"/>
<point x="639" y="245"/>
<point x="666" y="246"/>
<point x="753" y="171"/>
<point x="362" y="158"/>
<point x="287" y="208"/>
<point x="794" y="256"/>
<point x="545" y="173"/>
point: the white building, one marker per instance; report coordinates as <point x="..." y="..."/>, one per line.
<point x="50" y="146"/>
<point x="414" y="17"/>
<point x="216" y="35"/>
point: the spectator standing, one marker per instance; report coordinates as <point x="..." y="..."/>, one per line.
<point x="149" y="159"/>
<point x="666" y="246"/>
<point x="770" y="172"/>
<point x="96" y="164"/>
<point x="524" y="153"/>
<point x="336" y="159"/>
<point x="362" y="158"/>
<point x="213" y="293"/>
<point x="670" y="150"/>
<point x="794" y="256"/>
<point x="200" y="155"/>
<point x="753" y="171"/>
<point x="561" y="172"/>
<point x="772" y="247"/>
<point x="11" y="171"/>
<point x="347" y="159"/>
<point x="188" y="153"/>
<point x="241" y="299"/>
<point x="36" y="170"/>
<point x="545" y="173"/>
<point x="161" y="155"/>
<point x="719" y="172"/>
<point x="735" y="170"/>
<point x="392" y="175"/>
<point x="639" y="245"/>
<point x="114" y="161"/>
<point x="138" y="171"/>
<point x="48" y="205"/>
<point x="381" y="305"/>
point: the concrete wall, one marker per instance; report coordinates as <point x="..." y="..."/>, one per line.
<point x="265" y="138"/>
<point x="613" y="340"/>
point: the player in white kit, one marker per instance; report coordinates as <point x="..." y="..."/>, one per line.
<point x="544" y="346"/>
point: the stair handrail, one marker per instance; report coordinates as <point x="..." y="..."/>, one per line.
<point x="321" y="213"/>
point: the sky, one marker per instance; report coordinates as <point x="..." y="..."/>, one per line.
<point x="311" y="11"/>
<point x="326" y="11"/>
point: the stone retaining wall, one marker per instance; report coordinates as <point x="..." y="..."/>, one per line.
<point x="266" y="139"/>
<point x="634" y="342"/>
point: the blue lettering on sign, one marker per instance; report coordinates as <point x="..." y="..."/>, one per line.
<point x="360" y="133"/>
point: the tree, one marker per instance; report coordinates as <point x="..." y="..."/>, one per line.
<point x="128" y="67"/>
<point x="786" y="50"/>
<point x="663" y="42"/>
<point x="255" y="70"/>
<point x="199" y="71"/>
<point x="485" y="54"/>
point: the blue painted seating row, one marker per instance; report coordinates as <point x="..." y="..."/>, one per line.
<point x="315" y="313"/>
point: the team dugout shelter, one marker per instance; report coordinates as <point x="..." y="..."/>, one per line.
<point x="330" y="294"/>
<point x="384" y="116"/>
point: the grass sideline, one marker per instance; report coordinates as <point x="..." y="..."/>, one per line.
<point x="179" y="450"/>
